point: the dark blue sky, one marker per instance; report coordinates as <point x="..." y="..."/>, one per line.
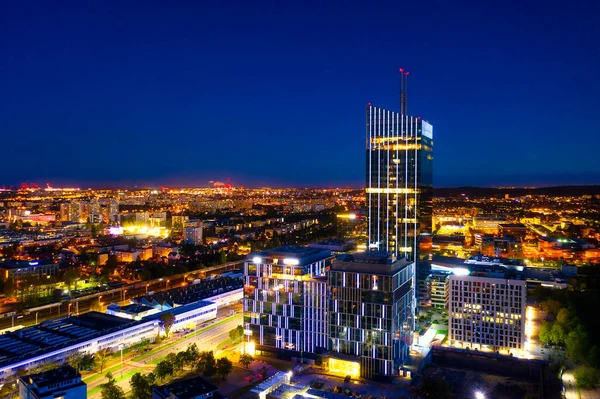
<point x="274" y="93"/>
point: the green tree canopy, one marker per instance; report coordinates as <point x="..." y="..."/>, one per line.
<point x="163" y="370"/>
<point x="586" y="377"/>
<point x="223" y="367"/>
<point x="166" y="321"/>
<point x="245" y="360"/>
<point x="141" y="385"/>
<point x="101" y="358"/>
<point x="111" y="390"/>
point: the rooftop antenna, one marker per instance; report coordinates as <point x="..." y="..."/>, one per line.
<point x="405" y="111"/>
<point x="401" y="90"/>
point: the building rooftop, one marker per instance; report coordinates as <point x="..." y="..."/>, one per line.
<point x="50" y="377"/>
<point x="375" y="262"/>
<point x="192" y="293"/>
<point x="55" y="334"/>
<point x="303" y="255"/>
<point x="20" y="264"/>
<point x="185" y="389"/>
<point x="512" y="225"/>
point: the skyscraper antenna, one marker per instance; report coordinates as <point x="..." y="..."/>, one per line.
<point x="401" y="90"/>
<point x="405" y="111"/>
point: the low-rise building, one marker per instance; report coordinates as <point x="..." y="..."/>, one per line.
<point x="437" y="287"/>
<point x="60" y="383"/>
<point x="19" y="269"/>
<point x="190" y="388"/>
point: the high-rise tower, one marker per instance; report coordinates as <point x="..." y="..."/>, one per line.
<point x="399" y="178"/>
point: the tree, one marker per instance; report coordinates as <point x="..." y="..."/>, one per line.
<point x="245" y="360"/>
<point x="101" y="358"/>
<point x="166" y="321"/>
<point x="558" y="334"/>
<point x="236" y="333"/>
<point x="545" y="333"/>
<point x="593" y="357"/>
<point x="563" y="316"/>
<point x="163" y="370"/>
<point x="222" y="257"/>
<point x="586" y="377"/>
<point x="75" y="360"/>
<point x="192" y="355"/>
<point x="87" y="362"/>
<point x="111" y="390"/>
<point x="550" y="306"/>
<point x="577" y="345"/>
<point x="179" y="361"/>
<point x="209" y="366"/>
<point x="111" y="264"/>
<point x="141" y="385"/>
<point x="223" y="367"/>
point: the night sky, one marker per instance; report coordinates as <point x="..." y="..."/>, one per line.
<point x="274" y="93"/>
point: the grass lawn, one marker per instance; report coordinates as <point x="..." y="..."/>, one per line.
<point x="153" y="351"/>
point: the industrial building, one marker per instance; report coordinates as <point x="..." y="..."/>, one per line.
<point x="54" y="340"/>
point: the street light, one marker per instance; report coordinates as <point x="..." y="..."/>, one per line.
<point x="479" y="395"/>
<point x="121" y="347"/>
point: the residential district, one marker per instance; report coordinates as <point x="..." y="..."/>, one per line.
<point x="395" y="290"/>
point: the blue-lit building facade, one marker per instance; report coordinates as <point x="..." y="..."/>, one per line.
<point x="285" y="301"/>
<point x="370" y="312"/>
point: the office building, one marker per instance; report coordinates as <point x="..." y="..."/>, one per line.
<point x="190" y="388"/>
<point x="285" y="301"/>
<point x="486" y="307"/>
<point x="399" y="178"/>
<point x="399" y="181"/>
<point x="371" y="317"/>
<point x="60" y="383"/>
<point x="437" y="288"/>
<point x="193" y="234"/>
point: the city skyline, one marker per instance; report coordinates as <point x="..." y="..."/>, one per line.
<point x="179" y="97"/>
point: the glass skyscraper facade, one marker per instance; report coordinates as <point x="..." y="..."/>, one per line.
<point x="399" y="181"/>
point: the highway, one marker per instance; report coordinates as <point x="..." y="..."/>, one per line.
<point x="206" y="340"/>
<point x="83" y="304"/>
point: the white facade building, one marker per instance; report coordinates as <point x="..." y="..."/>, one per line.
<point x="487" y="313"/>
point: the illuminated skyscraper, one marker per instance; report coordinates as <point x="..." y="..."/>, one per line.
<point x="399" y="180"/>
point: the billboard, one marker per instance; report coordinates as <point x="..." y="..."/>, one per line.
<point x="427" y="130"/>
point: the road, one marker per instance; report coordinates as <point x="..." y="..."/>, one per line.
<point x="127" y="292"/>
<point x="206" y="340"/>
